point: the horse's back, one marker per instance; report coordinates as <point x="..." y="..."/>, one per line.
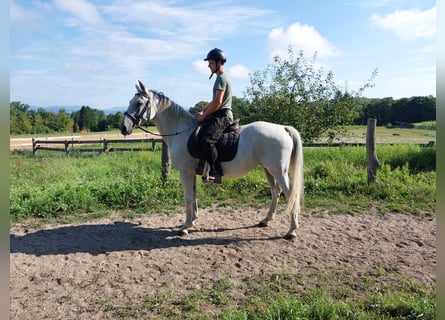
<point x="262" y="125"/>
<point x="265" y="133"/>
<point x="261" y="143"/>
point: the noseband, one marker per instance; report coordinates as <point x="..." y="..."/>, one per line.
<point x="138" y="118"/>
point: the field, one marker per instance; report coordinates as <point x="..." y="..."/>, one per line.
<point x="93" y="237"/>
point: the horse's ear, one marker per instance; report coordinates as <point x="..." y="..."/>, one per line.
<point x="140" y="87"/>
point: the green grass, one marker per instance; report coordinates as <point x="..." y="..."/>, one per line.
<point x="54" y="186"/>
<point x="426" y="125"/>
<point x="406" y="179"/>
<point x="286" y="296"/>
<point x="423" y="132"/>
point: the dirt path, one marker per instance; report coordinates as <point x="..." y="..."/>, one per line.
<point x="64" y="271"/>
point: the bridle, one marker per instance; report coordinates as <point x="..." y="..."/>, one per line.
<point x="138" y="119"/>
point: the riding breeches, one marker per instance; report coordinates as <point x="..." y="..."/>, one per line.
<point x="211" y="130"/>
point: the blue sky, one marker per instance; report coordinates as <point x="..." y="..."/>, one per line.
<point x="91" y="52"/>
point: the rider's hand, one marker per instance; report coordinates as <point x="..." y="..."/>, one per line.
<point x="200" y="116"/>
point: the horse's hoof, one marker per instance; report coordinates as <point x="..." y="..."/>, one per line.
<point x="183" y="232"/>
<point x="263" y="224"/>
<point x="290" y="235"/>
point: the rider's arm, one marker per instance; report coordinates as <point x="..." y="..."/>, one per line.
<point x="213" y="105"/>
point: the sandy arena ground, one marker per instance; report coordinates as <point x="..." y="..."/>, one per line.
<point x="64" y="271"/>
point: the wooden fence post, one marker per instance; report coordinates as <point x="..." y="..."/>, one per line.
<point x="67" y="144"/>
<point x="105" y="145"/>
<point x="34" y="149"/>
<point x="166" y="162"/>
<point x="373" y="162"/>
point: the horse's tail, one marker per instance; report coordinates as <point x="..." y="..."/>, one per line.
<point x="296" y="164"/>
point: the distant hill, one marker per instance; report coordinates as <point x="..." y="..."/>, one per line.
<point x="114" y="110"/>
<point x="71" y="109"/>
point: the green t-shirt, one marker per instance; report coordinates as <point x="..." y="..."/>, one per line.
<point x="222" y="82"/>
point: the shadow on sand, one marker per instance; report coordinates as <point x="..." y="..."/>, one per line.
<point x="118" y="236"/>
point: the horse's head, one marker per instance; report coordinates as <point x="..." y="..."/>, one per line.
<point x="141" y="109"/>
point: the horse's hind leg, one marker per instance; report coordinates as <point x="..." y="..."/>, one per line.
<point x="275" y="191"/>
<point x="294" y="211"/>
<point x="281" y="183"/>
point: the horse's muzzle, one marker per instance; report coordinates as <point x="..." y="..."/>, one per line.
<point x="125" y="129"/>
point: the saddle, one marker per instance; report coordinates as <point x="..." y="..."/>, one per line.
<point x="227" y="145"/>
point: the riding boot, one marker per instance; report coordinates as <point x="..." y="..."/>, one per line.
<point x="218" y="168"/>
<point x="215" y="166"/>
<point x="214" y="173"/>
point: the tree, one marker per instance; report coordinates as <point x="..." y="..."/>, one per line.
<point x="201" y="105"/>
<point x="388" y="111"/>
<point x="25" y="120"/>
<point x="241" y="109"/>
<point x="39" y="121"/>
<point x="114" y="120"/>
<point x="379" y="109"/>
<point x="62" y="122"/>
<point x="102" y="123"/>
<point x="294" y="92"/>
<point x="414" y="109"/>
<point x="19" y="121"/>
<point x="85" y="119"/>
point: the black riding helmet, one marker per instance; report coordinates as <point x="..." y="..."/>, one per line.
<point x="217" y="55"/>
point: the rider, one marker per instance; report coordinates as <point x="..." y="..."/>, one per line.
<point x="217" y="116"/>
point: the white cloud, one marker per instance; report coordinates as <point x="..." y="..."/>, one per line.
<point x="191" y="22"/>
<point x="239" y="71"/>
<point x="300" y="37"/>
<point x="138" y="33"/>
<point x="20" y="15"/>
<point x="409" y="24"/>
<point x="81" y="10"/>
<point x="24" y="18"/>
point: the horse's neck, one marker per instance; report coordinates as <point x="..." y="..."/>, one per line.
<point x="172" y="122"/>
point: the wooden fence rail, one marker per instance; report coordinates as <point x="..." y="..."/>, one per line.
<point x="47" y="144"/>
<point x="105" y="145"/>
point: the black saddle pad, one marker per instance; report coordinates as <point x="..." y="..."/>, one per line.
<point x="227" y="146"/>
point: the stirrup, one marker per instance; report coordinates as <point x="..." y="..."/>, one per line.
<point x="212" y="179"/>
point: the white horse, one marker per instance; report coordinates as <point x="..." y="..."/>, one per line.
<point x="275" y="147"/>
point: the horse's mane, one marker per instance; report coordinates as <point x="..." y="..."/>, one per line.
<point x="170" y="104"/>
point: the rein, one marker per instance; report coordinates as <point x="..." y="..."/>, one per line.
<point x="168" y="135"/>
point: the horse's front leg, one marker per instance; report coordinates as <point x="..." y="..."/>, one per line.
<point x="191" y="204"/>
